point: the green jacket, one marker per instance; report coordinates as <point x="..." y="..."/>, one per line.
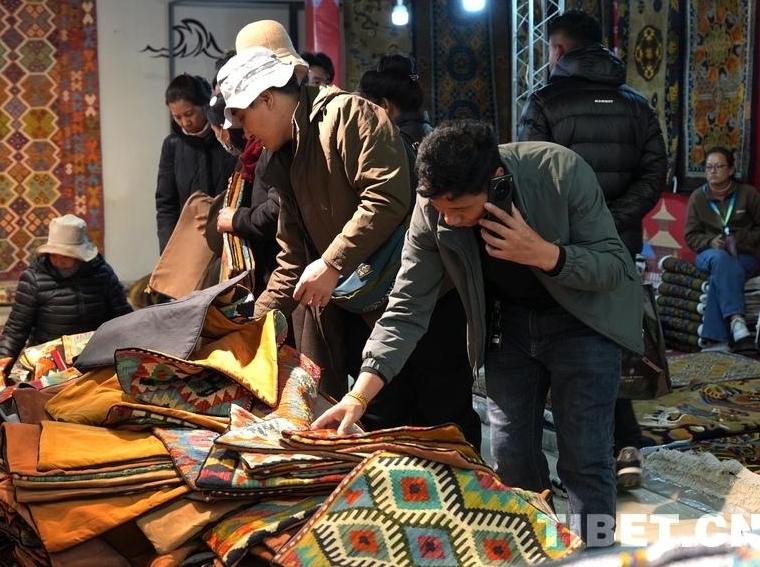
<point x="703" y="223"/>
<point x="559" y="195"/>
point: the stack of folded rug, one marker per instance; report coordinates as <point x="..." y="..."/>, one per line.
<point x="186" y="441"/>
<point x="681" y="300"/>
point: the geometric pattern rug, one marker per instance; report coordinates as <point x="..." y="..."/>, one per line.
<point x="401" y="510"/>
<point x="710" y="368"/>
<point x="50" y="159"/>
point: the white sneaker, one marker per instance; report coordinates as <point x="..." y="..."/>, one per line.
<point x="739" y="329"/>
<point x="713" y="346"/>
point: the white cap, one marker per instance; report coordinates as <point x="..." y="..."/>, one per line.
<point x="247" y="75"/>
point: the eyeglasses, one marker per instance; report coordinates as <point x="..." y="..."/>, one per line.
<point x="715" y="166"/>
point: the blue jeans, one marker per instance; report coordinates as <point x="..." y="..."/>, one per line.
<point x="726" y="294"/>
<point x="544" y="349"/>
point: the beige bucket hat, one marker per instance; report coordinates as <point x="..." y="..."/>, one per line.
<point x="271" y="35"/>
<point x="67" y="236"/>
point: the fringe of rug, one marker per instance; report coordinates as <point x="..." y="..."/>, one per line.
<point x="728" y="481"/>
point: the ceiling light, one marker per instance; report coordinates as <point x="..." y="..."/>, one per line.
<point x="473" y="5"/>
<point x="400" y="14"/>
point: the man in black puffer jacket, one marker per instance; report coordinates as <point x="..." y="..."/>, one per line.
<point x="68" y="289"/>
<point x="588" y="108"/>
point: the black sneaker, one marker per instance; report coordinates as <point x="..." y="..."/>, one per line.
<point x="628" y="465"/>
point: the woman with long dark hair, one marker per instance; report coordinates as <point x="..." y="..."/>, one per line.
<point x="191" y="158"/>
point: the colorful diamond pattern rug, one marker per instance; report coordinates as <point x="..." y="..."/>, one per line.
<point x="710" y="367"/>
<point x="718" y="80"/>
<point x="50" y="159"/>
<point x="400" y="510"/>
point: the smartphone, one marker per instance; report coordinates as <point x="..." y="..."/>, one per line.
<point x="501" y="192"/>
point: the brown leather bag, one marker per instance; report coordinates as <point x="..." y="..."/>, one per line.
<point x="185" y="263"/>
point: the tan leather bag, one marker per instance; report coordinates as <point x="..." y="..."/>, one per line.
<point x="184" y="265"/>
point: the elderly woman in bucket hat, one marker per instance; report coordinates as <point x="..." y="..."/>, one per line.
<point x="68" y="289"/>
<point x="344" y="182"/>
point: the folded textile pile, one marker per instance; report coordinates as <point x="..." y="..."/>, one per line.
<point x="192" y="447"/>
<point x="681" y="300"/>
<point x="405" y="510"/>
<point x="45" y="364"/>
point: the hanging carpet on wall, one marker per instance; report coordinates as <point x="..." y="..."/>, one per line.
<point x="718" y="80"/>
<point x="50" y="159"/>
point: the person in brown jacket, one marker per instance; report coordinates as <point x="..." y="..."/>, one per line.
<point x="723" y="228"/>
<point x="344" y="182"/>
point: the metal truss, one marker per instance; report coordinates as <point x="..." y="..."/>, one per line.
<point x="530" y="50"/>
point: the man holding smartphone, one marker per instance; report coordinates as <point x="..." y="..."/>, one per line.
<point x="569" y="300"/>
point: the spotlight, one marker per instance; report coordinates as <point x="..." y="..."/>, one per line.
<point x="473" y="5"/>
<point x="400" y="14"/>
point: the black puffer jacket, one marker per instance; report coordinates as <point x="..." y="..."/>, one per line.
<point x="588" y="108"/>
<point x="49" y="305"/>
<point x="188" y="164"/>
<point x="413" y="127"/>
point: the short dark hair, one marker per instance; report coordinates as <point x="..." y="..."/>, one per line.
<point x="395" y="79"/>
<point x="219" y="63"/>
<point x="725" y="152"/>
<point x="457" y="158"/>
<point x="193" y="89"/>
<point x="292" y="87"/>
<point x="580" y="28"/>
<point x="320" y="59"/>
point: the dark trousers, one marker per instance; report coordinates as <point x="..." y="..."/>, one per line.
<point x="435" y="385"/>
<point x="332" y="338"/>
<point x="627" y="430"/>
<point x="544" y="349"/>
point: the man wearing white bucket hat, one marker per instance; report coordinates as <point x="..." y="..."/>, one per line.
<point x="68" y="289"/>
<point x="343" y="176"/>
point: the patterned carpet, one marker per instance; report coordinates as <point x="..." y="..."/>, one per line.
<point x="710" y="367"/>
<point x="718" y="80"/>
<point x="50" y="161"/>
<point x="704" y="412"/>
<point x="742" y="448"/>
<point x="461" y="64"/>
<point x="370" y="35"/>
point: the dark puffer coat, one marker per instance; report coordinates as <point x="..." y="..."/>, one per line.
<point x="49" y="305"/>
<point x="188" y="164"/>
<point x="588" y="108"/>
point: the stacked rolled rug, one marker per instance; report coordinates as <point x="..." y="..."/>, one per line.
<point x="681" y="301"/>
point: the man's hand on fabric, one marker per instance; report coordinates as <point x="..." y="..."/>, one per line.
<point x="508" y="237"/>
<point x="316" y="284"/>
<point x="352" y="406"/>
<point x="224" y="219"/>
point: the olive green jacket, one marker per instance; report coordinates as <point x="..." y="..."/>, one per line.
<point x="559" y="195"/>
